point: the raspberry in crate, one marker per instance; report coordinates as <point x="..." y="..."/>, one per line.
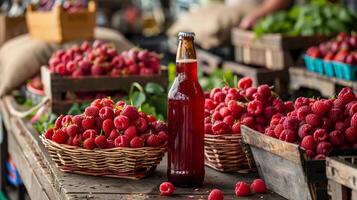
<point x="108" y="139"/>
<point x="226" y="109"/>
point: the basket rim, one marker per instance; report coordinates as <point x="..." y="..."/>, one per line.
<point x="223" y="135"/>
<point x="69" y="147"/>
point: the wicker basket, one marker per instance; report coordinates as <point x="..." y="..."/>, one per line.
<point x="125" y="163"/>
<point x="226" y="153"/>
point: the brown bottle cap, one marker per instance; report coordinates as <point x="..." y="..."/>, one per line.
<point x="186" y="34"/>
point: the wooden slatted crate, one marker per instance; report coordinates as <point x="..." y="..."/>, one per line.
<point x="341" y="172"/>
<point x="274" y="51"/>
<point x="59" y="26"/>
<point x="56" y="87"/>
<point x="11" y="27"/>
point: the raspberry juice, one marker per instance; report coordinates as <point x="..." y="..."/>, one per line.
<point x="186" y="119"/>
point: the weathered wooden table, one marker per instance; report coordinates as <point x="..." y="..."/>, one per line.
<point x="44" y="181"/>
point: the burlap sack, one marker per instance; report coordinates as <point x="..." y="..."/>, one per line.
<point x="212" y="23"/>
<point x="22" y="57"/>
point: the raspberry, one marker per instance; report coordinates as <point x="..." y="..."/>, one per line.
<point x="270" y="132"/>
<point x="215" y="194"/>
<point x="110" y="144"/>
<point x="113" y="135"/>
<point x="310" y="153"/>
<point x="323" y="148"/>
<point x="320" y="107"/>
<point x="153" y="141"/>
<point x="106" y="113"/>
<point x="49" y="133"/>
<point x="250" y="92"/>
<point x="77" y="119"/>
<point x="69" y="141"/>
<point x="230" y="97"/>
<point x="122" y="141"/>
<point x="136" y="142"/>
<point x="224" y="112"/>
<point x="314" y="120"/>
<point x="121" y="122"/>
<point x="216" y="116"/>
<point x="220" y="128"/>
<point x="101" y="141"/>
<point x="166" y="189"/>
<point x="97" y="103"/>
<point x="219" y="97"/>
<point x="255" y="107"/>
<point x="248" y="121"/>
<point x="245" y="83"/>
<point x="341" y="126"/>
<point x="77" y="140"/>
<point x="264" y="90"/>
<point x="258" y="186"/>
<point x="151" y="118"/>
<point x="320" y="135"/>
<point x="88" y="123"/>
<point x="308" y="143"/>
<point x="336" y="138"/>
<point x="163" y="136"/>
<point x="90" y="133"/>
<point x="219" y="106"/>
<point x="346" y="95"/>
<point x="326" y="124"/>
<point x="130" y="132"/>
<point x="279" y="105"/>
<point x="72" y="130"/>
<point x="261" y="120"/>
<point x="131" y="112"/>
<point x="320" y="157"/>
<point x="234" y="107"/>
<point x="159" y="126"/>
<point x="214" y="91"/>
<point x="236" y="128"/>
<point x="304" y="130"/>
<point x="352" y="110"/>
<point x="58" y="122"/>
<point x="354" y="120"/>
<point x="91" y="111"/>
<point x="276" y="118"/>
<point x="290" y="135"/>
<point x="259" y="128"/>
<point x="289" y="106"/>
<point x="242" y="189"/>
<point x="302" y="112"/>
<point x="107" y="102"/>
<point x="278" y="129"/>
<point x="67" y="120"/>
<point x="208" y="128"/>
<point x="108" y="126"/>
<point x="89" y="143"/>
<point x="351" y="134"/>
<point x="269" y="111"/>
<point x="229" y="120"/>
<point x="291" y="123"/>
<point x="99" y="122"/>
<point x="141" y="124"/>
<point x="209" y="104"/>
<point x="301" y="101"/>
<point x="335" y="114"/>
<point x="60" y="136"/>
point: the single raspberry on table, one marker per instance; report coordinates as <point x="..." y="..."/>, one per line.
<point x="89" y="143"/>
<point x="245" y="83"/>
<point x="258" y="186"/>
<point x="122" y="141"/>
<point x="304" y="130"/>
<point x="308" y="143"/>
<point x="242" y="189"/>
<point x="351" y="134"/>
<point x="255" y="107"/>
<point x="166" y="189"/>
<point x="60" y="136"/>
<point x="320" y="135"/>
<point x="101" y="141"/>
<point x="215" y="194"/>
<point x="136" y="142"/>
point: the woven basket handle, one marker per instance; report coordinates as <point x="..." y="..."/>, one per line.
<point x="22" y="114"/>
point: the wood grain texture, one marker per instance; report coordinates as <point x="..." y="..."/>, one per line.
<point x="342" y="172"/>
<point x="208" y="61"/>
<point x="42" y="178"/>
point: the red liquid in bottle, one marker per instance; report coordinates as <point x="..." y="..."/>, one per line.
<point x="186" y="127"/>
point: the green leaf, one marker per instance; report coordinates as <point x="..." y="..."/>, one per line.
<point x="75" y="109"/>
<point x="154" y="88"/>
<point x="137" y="98"/>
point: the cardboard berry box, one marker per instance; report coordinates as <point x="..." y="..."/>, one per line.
<point x="60" y="26"/>
<point x="286" y="168"/>
<point x="56" y="86"/>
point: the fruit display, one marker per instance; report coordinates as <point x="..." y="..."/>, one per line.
<point x="227" y="108"/>
<point x="102" y="59"/>
<point x="334" y="58"/>
<point x="316" y="18"/>
<point x="106" y="124"/>
<point x="319" y="125"/>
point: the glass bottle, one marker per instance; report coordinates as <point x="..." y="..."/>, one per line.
<point x="186" y="119"/>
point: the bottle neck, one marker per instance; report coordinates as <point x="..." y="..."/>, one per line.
<point x="186" y="61"/>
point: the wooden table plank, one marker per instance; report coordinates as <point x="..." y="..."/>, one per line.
<point x="44" y="181"/>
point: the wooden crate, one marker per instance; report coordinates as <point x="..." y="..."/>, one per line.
<point x="59" y="26"/>
<point x="341" y="172"/>
<point x="274" y="51"/>
<point x="56" y="87"/>
<point x="327" y="86"/>
<point x="285" y="167"/>
<point x="278" y="78"/>
<point x="11" y="27"/>
<point x="208" y="61"/>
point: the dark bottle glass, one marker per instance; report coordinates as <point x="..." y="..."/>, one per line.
<point x="186" y="119"/>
